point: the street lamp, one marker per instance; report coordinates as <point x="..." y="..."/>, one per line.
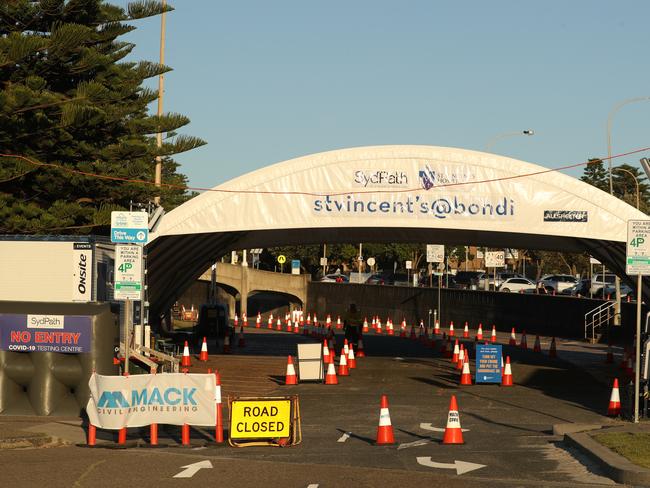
<point x="610" y="118"/>
<point x="636" y="182"/>
<point x="495" y="139"/>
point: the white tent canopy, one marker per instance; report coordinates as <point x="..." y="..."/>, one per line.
<point x="388" y="194"/>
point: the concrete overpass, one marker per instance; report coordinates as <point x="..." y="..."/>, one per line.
<point x="243" y="281"/>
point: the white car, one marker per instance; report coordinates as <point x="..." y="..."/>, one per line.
<point x="517" y="284"/>
<point x="601" y="280"/>
<point x="559" y="282"/>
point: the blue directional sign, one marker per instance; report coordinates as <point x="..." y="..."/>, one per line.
<point x="488" y="363"/>
<point x="129" y="227"/>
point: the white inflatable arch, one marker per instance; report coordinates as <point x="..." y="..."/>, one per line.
<point x="422" y="194"/>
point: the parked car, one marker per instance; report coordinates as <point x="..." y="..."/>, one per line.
<point x="601" y="280"/>
<point x="335" y="278"/>
<point x="376" y="279"/>
<point x="579" y="289"/>
<point x="467" y="279"/>
<point x="500" y="278"/>
<point x="608" y="292"/>
<point x="559" y="282"/>
<point x="517" y="284"/>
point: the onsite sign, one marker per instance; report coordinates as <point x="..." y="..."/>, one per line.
<point x="128" y="272"/>
<point x="82" y="271"/>
<point x="260" y="419"/>
<point x="129" y="227"/>
<point x="637" y="260"/>
<point x="495" y="259"/>
<point x="435" y="253"/>
<point x="139" y="400"/>
<point x="45" y="333"/>
<point x="488" y="363"/>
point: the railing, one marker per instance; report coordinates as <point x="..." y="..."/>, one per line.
<point x="596" y="318"/>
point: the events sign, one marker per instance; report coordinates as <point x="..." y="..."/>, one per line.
<point x="82" y="272"/>
<point x="45" y="333"/>
<point x="139" y="400"/>
<point x="488" y="363"/>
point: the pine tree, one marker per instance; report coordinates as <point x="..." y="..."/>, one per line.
<point x="68" y="101"/>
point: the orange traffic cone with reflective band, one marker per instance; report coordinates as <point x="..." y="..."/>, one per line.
<point x="365" y="325"/>
<point x="203" y="356"/>
<point x="291" y="378"/>
<point x="493" y="337"/>
<point x="466" y="375"/>
<point x="453" y="432"/>
<point x="245" y="320"/>
<point x="506" y="379"/>
<point x="360" y="352"/>
<point x="343" y="364"/>
<point x="451" y="329"/>
<point x="454" y="357"/>
<point x="436" y="327"/>
<point x="326" y="352"/>
<point x="352" y="362"/>
<point x="537" y="347"/>
<point x="461" y="357"/>
<point x="258" y="321"/>
<point x="186" y="361"/>
<point x="552" y="352"/>
<point x="330" y="377"/>
<point x="614" y="408"/>
<point x="385" y="428"/>
<point x="466" y="330"/>
<point x="479" y="332"/>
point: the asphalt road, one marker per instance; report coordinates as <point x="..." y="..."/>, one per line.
<point x="509" y="429"/>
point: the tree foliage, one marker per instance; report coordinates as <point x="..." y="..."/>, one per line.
<point x="68" y="101"/>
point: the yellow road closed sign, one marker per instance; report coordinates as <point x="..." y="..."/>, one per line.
<point x="260" y="419"/>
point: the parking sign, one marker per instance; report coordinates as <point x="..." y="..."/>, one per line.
<point x="128" y="272"/>
<point x="637" y="260"/>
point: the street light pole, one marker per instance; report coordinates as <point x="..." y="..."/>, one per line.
<point x="495" y="139"/>
<point x="161" y="91"/>
<point x="636" y="182"/>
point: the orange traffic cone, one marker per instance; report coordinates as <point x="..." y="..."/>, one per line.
<point x="291" y="378"/>
<point x="436" y="327"/>
<point x="614" y="408"/>
<point x="343" y="365"/>
<point x="461" y="357"/>
<point x="506" y="379"/>
<point x="454" y="357"/>
<point x="466" y="330"/>
<point x="186" y="361"/>
<point x="537" y="347"/>
<point x="513" y="338"/>
<point x="451" y="329"/>
<point x="360" y="352"/>
<point x="352" y="362"/>
<point x="203" y="356"/>
<point x="245" y="319"/>
<point x="479" y="333"/>
<point x="523" y="343"/>
<point x="269" y="324"/>
<point x="453" y="432"/>
<point x="226" y="343"/>
<point x="330" y="377"/>
<point x="258" y="321"/>
<point x="278" y="324"/>
<point x="326" y="352"/>
<point x="365" y="325"/>
<point x="466" y="375"/>
<point x="552" y="352"/>
<point x="385" y="428"/>
<point x="493" y="337"/>
<point x="242" y="340"/>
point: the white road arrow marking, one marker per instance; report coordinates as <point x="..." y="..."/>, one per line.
<point x="344" y="437"/>
<point x="420" y="442"/>
<point x="436" y="429"/>
<point x="461" y="467"/>
<point x="191" y="469"/>
<point x="312" y="486"/>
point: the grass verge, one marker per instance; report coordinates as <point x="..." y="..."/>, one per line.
<point x="635" y="447"/>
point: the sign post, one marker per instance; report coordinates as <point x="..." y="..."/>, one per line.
<point x="637" y="262"/>
<point x="282" y="259"/>
<point x="495" y="259"/>
<point x="436" y="254"/>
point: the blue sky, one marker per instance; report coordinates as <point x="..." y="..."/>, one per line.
<point x="267" y="81"/>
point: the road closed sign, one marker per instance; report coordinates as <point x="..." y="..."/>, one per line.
<point x="260" y="419"/>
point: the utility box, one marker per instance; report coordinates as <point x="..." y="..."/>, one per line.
<point x="65" y="269"/>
